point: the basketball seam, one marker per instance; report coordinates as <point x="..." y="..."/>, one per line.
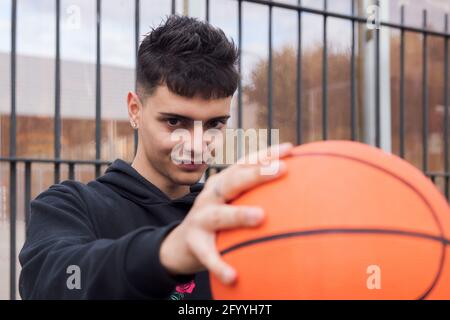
<point x="435" y="218"/>
<point x="335" y="231"/>
<point x="442" y="238"/>
<point x="413" y="188"/>
<point x="279" y="236"/>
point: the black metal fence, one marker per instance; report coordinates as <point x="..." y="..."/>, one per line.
<point x="353" y="18"/>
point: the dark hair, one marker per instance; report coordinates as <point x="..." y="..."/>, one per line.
<point x="191" y="57"/>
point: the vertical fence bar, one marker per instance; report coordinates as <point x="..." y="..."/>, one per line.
<point x="207" y="11"/>
<point x="71" y="171"/>
<point x="98" y="94"/>
<point x="12" y="230"/>
<point x="136" y="46"/>
<point x="299" y="76"/>
<point x="239" y="115"/>
<point x="173" y="7"/>
<point x="353" y="77"/>
<point x="325" y="74"/>
<point x="12" y="153"/>
<point x="377" y="83"/>
<point x="425" y="94"/>
<point x="446" y="111"/>
<point x="27" y="192"/>
<point x="402" y="85"/>
<point x="57" y="117"/>
<point x="270" y="80"/>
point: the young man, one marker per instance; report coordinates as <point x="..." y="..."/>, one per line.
<point x="147" y="230"/>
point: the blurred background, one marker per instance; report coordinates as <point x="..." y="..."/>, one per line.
<point x="365" y="70"/>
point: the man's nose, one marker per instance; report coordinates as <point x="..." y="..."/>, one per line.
<point x="199" y="145"/>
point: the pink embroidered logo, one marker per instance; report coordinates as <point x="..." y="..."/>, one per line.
<point x="185" y="287"/>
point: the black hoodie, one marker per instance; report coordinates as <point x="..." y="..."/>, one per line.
<point x="106" y="234"/>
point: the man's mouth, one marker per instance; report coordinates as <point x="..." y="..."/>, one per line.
<point x="190" y="165"/>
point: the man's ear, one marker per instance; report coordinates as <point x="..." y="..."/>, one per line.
<point x="134" y="109"/>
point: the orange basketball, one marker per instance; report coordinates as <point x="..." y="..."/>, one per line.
<point x="347" y="221"/>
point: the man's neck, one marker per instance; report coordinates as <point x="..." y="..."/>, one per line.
<point x="173" y="191"/>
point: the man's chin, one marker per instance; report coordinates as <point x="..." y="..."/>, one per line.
<point x="187" y="177"/>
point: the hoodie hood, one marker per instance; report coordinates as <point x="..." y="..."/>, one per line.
<point x="129" y="183"/>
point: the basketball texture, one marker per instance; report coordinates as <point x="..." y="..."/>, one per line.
<point x="347" y="221"/>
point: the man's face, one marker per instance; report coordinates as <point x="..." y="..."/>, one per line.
<point x="162" y="116"/>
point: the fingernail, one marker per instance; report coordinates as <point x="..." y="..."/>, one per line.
<point x="279" y="150"/>
<point x="285" y="146"/>
<point x="274" y="168"/>
<point x="229" y="275"/>
<point x="254" y="215"/>
<point x="281" y="166"/>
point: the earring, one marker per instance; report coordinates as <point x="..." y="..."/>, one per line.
<point x="133" y="124"/>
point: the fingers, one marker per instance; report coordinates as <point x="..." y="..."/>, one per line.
<point x="228" y="217"/>
<point x="245" y="178"/>
<point x="206" y="252"/>
<point x="212" y="214"/>
<point x="265" y="156"/>
<point x="233" y="181"/>
<point x="205" y="224"/>
<point x="230" y="183"/>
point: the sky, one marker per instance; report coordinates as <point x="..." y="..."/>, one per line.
<point x="36" y="26"/>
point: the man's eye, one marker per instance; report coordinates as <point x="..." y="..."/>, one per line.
<point x="173" y="122"/>
<point x="216" y="124"/>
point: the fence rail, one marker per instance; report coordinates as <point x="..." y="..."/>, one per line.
<point x="353" y="18"/>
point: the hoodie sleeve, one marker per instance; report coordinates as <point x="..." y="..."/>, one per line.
<point x="63" y="259"/>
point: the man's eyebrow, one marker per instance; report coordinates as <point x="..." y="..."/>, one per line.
<point x="181" y="117"/>
<point x="226" y="117"/>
